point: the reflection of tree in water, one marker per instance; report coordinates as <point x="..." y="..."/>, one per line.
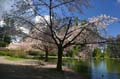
<point x="97" y="62"/>
<point x="80" y="66"/>
<point x="113" y="65"/>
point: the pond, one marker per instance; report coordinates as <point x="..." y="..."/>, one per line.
<point x="96" y="69"/>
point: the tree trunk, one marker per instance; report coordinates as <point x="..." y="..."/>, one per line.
<point x="59" y="61"/>
<point x="46" y="56"/>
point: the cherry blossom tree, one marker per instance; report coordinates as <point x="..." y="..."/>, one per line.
<point x="63" y="31"/>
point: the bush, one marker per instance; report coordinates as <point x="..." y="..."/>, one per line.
<point x="3" y="53"/>
<point x="18" y="53"/>
<point x="52" y="53"/>
<point x="3" y="44"/>
<point x="13" y="53"/>
<point x="33" y="52"/>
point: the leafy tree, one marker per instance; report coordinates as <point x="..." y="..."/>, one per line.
<point x="97" y="53"/>
<point x="107" y="54"/>
<point x="114" y="47"/>
<point x="76" y="50"/>
<point x="5" y="38"/>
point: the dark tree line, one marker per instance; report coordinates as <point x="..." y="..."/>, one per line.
<point x="114" y="48"/>
<point x="5" y="37"/>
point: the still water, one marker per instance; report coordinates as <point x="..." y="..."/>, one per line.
<point x="96" y="69"/>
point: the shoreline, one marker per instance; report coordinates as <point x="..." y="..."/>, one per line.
<point x="48" y="70"/>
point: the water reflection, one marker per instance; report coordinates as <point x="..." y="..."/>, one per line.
<point x="97" y="69"/>
<point x="82" y="67"/>
<point x="107" y="69"/>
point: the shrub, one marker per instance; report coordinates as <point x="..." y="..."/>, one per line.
<point x="33" y="52"/>
<point x="3" y="44"/>
<point x="13" y="53"/>
<point x="2" y="53"/>
<point x="18" y="53"/>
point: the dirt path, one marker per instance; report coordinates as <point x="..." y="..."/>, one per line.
<point x="28" y="70"/>
<point x="4" y="60"/>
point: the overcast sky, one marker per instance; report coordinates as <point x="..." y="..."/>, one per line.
<point x="5" y="5"/>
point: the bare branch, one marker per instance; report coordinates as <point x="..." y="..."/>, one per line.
<point x="67" y="44"/>
<point x="63" y="3"/>
<point x="41" y="39"/>
<point x="44" y="3"/>
<point x="66" y="32"/>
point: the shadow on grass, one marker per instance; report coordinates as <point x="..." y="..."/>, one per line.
<point x="32" y="72"/>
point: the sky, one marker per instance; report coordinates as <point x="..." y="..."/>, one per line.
<point x="5" y="6"/>
<point x="108" y="7"/>
<point x="98" y="7"/>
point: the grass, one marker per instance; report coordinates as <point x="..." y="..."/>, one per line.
<point x="14" y="58"/>
<point x="55" y="57"/>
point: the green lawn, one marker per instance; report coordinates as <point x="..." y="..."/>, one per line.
<point x="14" y="58"/>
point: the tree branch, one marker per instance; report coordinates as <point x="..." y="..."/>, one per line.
<point x="67" y="30"/>
<point x="63" y="3"/>
<point x="67" y="44"/>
